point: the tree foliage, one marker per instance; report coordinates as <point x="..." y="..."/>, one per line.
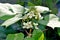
<point x="33" y="22"/>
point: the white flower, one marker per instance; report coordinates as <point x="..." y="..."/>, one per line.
<point x="35" y="25"/>
<point x="41" y="9"/>
<point x="10" y="9"/>
<point x="35" y="17"/>
<point x="38" y="16"/>
<point x="31" y="14"/>
<point x="25" y="17"/>
<point x="17" y="8"/>
<point x="11" y="21"/>
<point x="27" y="25"/>
<point x="53" y="24"/>
<point x="51" y="21"/>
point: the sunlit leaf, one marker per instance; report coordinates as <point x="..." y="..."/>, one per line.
<point x="38" y="35"/>
<point x="18" y="36"/>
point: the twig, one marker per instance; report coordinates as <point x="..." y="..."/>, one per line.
<point x="29" y="34"/>
<point x="26" y="32"/>
<point x="30" y="31"/>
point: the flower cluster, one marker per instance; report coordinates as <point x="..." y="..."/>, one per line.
<point x="27" y="25"/>
<point x="31" y="15"/>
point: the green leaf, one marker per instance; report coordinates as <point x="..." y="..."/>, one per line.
<point x="36" y="2"/>
<point x="38" y="35"/>
<point x="6" y="17"/>
<point x="43" y="22"/>
<point x="57" y="31"/>
<point x="18" y="36"/>
<point x="42" y="27"/>
<point x="41" y="37"/>
<point x="51" y="5"/>
<point x="29" y="38"/>
<point x="19" y="2"/>
<point x="30" y="4"/>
